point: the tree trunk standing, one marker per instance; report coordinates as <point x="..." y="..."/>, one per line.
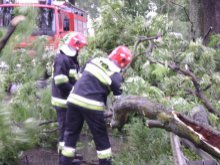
<point x="204" y="15"/>
<point x="211" y="15"/>
<point x="196" y="17"/>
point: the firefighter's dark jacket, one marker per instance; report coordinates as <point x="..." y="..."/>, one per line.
<point x="65" y="69"/>
<point x="99" y="77"/>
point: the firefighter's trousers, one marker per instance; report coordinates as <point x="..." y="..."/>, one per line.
<point x="61" y="119"/>
<point x="74" y="122"/>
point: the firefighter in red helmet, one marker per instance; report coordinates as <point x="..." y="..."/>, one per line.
<point x="87" y="101"/>
<point x="64" y="76"/>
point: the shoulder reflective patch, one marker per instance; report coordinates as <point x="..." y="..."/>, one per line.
<point x="98" y="73"/>
<point x="106" y="64"/>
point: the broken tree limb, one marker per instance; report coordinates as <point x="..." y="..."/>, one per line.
<point x="179" y="158"/>
<point x="195" y="80"/>
<point x="187" y="72"/>
<point x="13" y="24"/>
<point x="202" y="136"/>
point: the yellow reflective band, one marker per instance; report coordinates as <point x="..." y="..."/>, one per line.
<point x="60" y="146"/>
<point x="68" y="151"/>
<point x="110" y="68"/>
<point x="59" y="79"/>
<point x="98" y="73"/>
<point x="104" y="154"/>
<point x="73" y="73"/>
<point x="58" y="102"/>
<point x="85" y="102"/>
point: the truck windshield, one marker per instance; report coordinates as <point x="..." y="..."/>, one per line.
<point x="45" y="20"/>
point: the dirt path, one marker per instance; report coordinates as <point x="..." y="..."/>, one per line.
<point x="50" y="157"/>
<point x="39" y="157"/>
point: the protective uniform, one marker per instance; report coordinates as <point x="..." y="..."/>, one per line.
<point x="65" y="69"/>
<point x="64" y="77"/>
<point x="87" y="102"/>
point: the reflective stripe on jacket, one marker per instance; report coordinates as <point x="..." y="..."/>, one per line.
<point x="86" y="103"/>
<point x="58" y="102"/>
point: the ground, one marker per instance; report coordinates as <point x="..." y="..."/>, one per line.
<point x="42" y="156"/>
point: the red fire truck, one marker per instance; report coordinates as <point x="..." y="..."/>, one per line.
<point x="54" y="19"/>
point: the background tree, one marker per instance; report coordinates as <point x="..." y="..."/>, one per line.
<point x="91" y="6"/>
<point x="204" y="16"/>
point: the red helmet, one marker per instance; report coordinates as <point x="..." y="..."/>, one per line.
<point x="121" y="56"/>
<point x="73" y="41"/>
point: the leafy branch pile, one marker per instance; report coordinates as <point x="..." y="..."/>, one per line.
<point x="163" y="67"/>
<point x="24" y="105"/>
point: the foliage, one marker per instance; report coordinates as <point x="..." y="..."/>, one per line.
<point x="23" y="110"/>
<point x="145" y="146"/>
<point x="90" y="6"/>
<point x="150" y="75"/>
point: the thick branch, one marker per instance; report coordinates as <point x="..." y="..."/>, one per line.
<point x="207" y="34"/>
<point x="13" y="24"/>
<point x="143" y="39"/>
<point x="148" y="49"/>
<point x="201" y="135"/>
<point x="198" y="91"/>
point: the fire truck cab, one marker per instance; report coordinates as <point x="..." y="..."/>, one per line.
<point x="54" y="19"/>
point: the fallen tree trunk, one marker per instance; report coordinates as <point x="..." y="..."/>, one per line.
<point x="202" y="136"/>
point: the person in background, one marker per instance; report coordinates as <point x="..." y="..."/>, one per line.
<point x="64" y="76"/>
<point x="87" y="102"/>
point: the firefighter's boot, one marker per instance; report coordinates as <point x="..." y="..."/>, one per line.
<point x="59" y="150"/>
<point x="78" y="156"/>
<point x="76" y="162"/>
<point x="67" y="160"/>
<point x="104" y="161"/>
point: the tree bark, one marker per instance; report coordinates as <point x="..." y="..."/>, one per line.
<point x="211" y="15"/>
<point x="201" y="135"/>
<point x="204" y="15"/>
<point x="196" y="17"/>
<point x="14" y="22"/>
